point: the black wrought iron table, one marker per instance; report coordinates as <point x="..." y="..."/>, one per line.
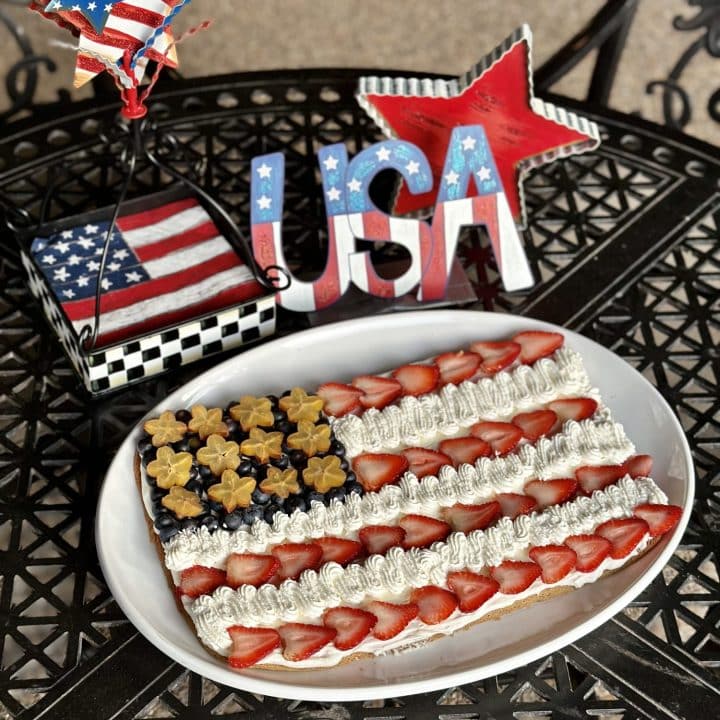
<point x="625" y="243"/>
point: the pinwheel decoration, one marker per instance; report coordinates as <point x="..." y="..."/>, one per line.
<point x="120" y="38"/>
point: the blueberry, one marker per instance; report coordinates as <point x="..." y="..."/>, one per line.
<point x="270" y="512"/>
<point x="355" y="487"/>
<point x="157" y="506"/>
<point x="209" y="482"/>
<point x="314" y="496"/>
<point x="183" y="416"/>
<point x="188" y="523"/>
<point x="253" y="513"/>
<point x="210" y="522"/>
<point x="144" y="444"/>
<point x="295" y="502"/>
<point x="232" y="426"/>
<point x="214" y="506"/>
<point x="181" y="445"/>
<point x="278" y="416"/>
<point x="273" y="399"/>
<point x="259" y="497"/>
<point x="148" y="457"/>
<point x="205" y="472"/>
<point x="233" y="520"/>
<point x="164" y="520"/>
<point x="166" y="533"/>
<point x="157" y="493"/>
<point x="247" y="468"/>
<point x="195" y="486"/>
<point x="286" y="427"/>
<point x="194" y="473"/>
<point x="282" y="462"/>
<point x="194" y="443"/>
<point x="350" y="477"/>
<point x="337" y="448"/>
<point x="336" y="494"/>
<point x="344" y="465"/>
<point x="297" y="458"/>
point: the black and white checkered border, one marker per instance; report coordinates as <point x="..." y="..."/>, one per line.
<point x="119" y="365"/>
<point x="183" y="344"/>
<point x="57" y="318"/>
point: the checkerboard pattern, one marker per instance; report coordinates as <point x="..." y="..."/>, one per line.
<point x="113" y="367"/>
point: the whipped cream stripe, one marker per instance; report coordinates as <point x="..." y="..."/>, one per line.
<point x="589" y="442"/>
<point x="421" y="420"/>
<point x="393" y="576"/>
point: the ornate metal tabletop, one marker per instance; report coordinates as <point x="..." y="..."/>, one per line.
<point x="625" y="244"/>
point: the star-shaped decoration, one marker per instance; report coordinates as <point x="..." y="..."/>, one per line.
<point x="333" y="194"/>
<point x="330" y="162"/>
<point x="484" y="174"/>
<point x="524" y="131"/>
<point x="264" y="202"/>
<point x="383" y="154"/>
<point x="468" y="143"/>
<point x="354" y="185"/>
<point x="96" y="12"/>
<point x="413" y="167"/>
<point x="264" y="171"/>
<point x="451" y="178"/>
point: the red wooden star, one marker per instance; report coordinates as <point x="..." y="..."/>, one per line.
<point x="524" y="131"/>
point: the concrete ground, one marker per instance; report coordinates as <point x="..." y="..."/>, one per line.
<point x="417" y="35"/>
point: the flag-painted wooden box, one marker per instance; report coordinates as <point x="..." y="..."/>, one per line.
<point x="173" y="289"/>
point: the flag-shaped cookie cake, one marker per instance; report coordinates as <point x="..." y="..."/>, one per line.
<point x="376" y="513"/>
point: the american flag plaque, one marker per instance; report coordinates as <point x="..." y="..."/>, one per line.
<point x="173" y="290"/>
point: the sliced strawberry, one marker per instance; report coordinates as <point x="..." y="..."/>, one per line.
<point x="555" y="561"/>
<point x="660" y="518"/>
<point x="514" y="576"/>
<point x="294" y="558"/>
<point x="352" y="625"/>
<point x="250" y="569"/>
<point x="423" y="461"/>
<point x="378" y="539"/>
<point x="596" y="477"/>
<point x="377" y="391"/>
<point x="466" y="518"/>
<point x="250" y="645"/>
<point x="471" y="589"/>
<point x="300" y="641"/>
<point x="500" y="436"/>
<point x="417" y="379"/>
<point x="551" y="492"/>
<point x="496" y="356"/>
<point x="422" y="531"/>
<point x="374" y="470"/>
<point x="455" y="367"/>
<point x="391" y="618"/>
<point x="591" y="550"/>
<point x="624" y="534"/>
<point x="340" y="399"/>
<point x="578" y="409"/>
<point x="513" y="504"/>
<point x="535" y="424"/>
<point x="638" y="466"/>
<point x="200" y="580"/>
<point x="434" y="604"/>
<point x="339" y="550"/>
<point x="536" y="344"/>
<point x="465" y="449"/>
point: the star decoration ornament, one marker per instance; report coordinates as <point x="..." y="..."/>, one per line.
<point x="95" y="11"/>
<point x="524" y="131"/>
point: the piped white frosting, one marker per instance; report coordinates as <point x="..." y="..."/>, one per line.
<point x="391" y="577"/>
<point x="590" y="442"/>
<point x="421" y="420"/>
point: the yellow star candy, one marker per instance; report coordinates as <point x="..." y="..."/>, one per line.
<point x="300" y="406"/>
<point x="263" y="445"/>
<point x="170" y="468"/>
<point x="310" y="438"/>
<point x="207" y="422"/>
<point x="232" y="490"/>
<point x="253" y="411"/>
<point x="183" y="503"/>
<point x="324" y="473"/>
<point x="282" y="483"/>
<point x="219" y="454"/>
<point x="165" y="429"/>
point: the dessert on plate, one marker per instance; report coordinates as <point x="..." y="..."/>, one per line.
<point x="359" y="518"/>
